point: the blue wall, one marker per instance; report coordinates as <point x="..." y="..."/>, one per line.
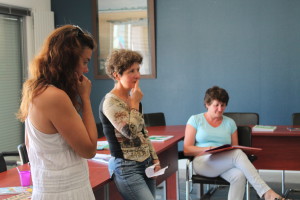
<point x="250" y="48"/>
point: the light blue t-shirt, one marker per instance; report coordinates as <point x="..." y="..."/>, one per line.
<point x="208" y="135"/>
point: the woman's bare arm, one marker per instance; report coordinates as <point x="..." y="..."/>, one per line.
<point x="189" y="147"/>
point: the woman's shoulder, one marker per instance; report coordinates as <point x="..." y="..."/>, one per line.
<point x="228" y="119"/>
<point x="229" y="122"/>
<point x="54" y="92"/>
<point x="53" y="95"/>
<point x="199" y="116"/>
<point x="111" y="99"/>
<point x="196" y="119"/>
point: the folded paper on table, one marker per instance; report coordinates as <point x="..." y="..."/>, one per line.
<point x="262" y="128"/>
<point x="227" y="147"/>
<point x="14" y="190"/>
<point x="293" y="129"/>
<point x="104" y="158"/>
<point x="102" y="145"/>
<point x="160" y="138"/>
<point x="150" y="171"/>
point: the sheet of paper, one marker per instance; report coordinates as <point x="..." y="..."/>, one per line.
<point x="104" y="158"/>
<point x="150" y="171"/>
<point x="102" y="145"/>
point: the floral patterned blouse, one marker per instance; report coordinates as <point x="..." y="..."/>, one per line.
<point x="125" y="130"/>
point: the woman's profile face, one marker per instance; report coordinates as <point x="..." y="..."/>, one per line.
<point x="84" y="59"/>
<point x="216" y="108"/>
<point x="130" y="76"/>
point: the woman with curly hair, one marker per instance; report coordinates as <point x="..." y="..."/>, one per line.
<point x="124" y="128"/>
<point x="57" y="138"/>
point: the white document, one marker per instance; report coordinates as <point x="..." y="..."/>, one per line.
<point x="104" y="158"/>
<point x="150" y="171"/>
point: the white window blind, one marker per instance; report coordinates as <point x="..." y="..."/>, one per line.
<point x="11" y="130"/>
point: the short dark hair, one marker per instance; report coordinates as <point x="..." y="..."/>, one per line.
<point x="216" y="93"/>
<point x="120" y="60"/>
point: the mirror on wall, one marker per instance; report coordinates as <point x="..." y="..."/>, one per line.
<point x="127" y="24"/>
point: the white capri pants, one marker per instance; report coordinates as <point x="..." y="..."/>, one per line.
<point x="235" y="167"/>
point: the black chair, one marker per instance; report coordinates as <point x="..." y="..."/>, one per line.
<point x="154" y="119"/>
<point x="3" y="167"/>
<point x="296" y="119"/>
<point x="245" y="118"/>
<point x="100" y="130"/>
<point x="23" y="153"/>
<point x="244" y="137"/>
<point x="295" y="122"/>
<point x="4" y="163"/>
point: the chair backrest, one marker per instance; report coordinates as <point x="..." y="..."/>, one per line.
<point x="23" y="153"/>
<point x="3" y="167"/>
<point x="296" y="119"/>
<point x="243" y="118"/>
<point x="154" y="119"/>
<point x="100" y="130"/>
<point x="245" y="136"/>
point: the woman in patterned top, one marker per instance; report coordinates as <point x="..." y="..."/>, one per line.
<point x="211" y="129"/>
<point x="124" y="128"/>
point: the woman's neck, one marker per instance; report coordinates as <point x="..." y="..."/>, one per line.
<point x="213" y="121"/>
<point x="121" y="92"/>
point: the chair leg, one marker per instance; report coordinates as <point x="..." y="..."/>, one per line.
<point x="191" y="186"/>
<point x="288" y="191"/>
<point x="187" y="189"/>
<point x="285" y="193"/>
<point x="282" y="182"/>
<point x="210" y="191"/>
<point x="247" y="191"/>
<point x="201" y="190"/>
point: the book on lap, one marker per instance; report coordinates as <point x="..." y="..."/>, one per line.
<point x="228" y="147"/>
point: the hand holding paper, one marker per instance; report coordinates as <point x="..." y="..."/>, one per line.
<point x="151" y="173"/>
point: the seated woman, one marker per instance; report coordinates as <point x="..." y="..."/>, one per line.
<point x="211" y="129"/>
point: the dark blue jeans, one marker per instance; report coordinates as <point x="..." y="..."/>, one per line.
<point x="131" y="180"/>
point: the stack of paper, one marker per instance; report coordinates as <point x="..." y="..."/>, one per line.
<point x="293" y="129"/>
<point x="160" y="138"/>
<point x="261" y="128"/>
<point x="104" y="158"/>
<point x="102" y="145"/>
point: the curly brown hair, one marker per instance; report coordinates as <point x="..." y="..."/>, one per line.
<point x="216" y="93"/>
<point x="120" y="60"/>
<point x="55" y="65"/>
